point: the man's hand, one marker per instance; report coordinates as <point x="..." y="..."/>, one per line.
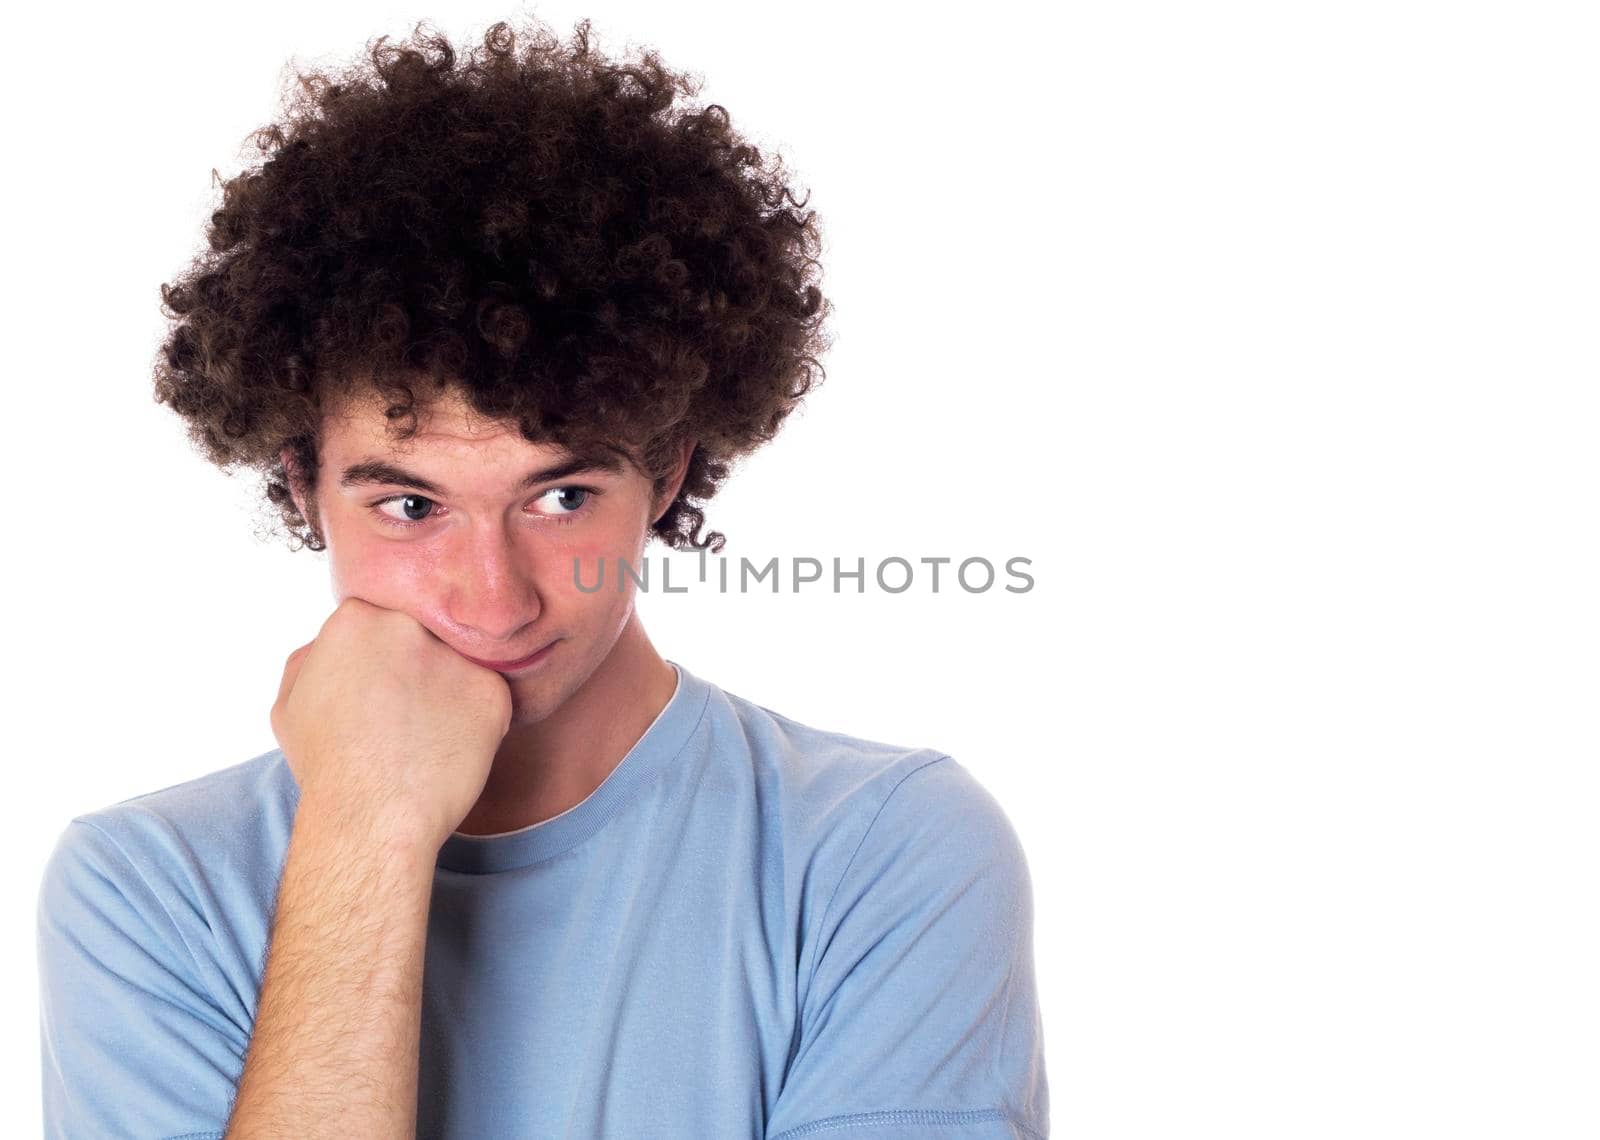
<point x="385" y="725"/>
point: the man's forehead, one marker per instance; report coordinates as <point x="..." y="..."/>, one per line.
<point x="358" y="424"/>
<point x="447" y="415"/>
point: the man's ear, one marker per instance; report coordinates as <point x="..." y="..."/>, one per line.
<point x="298" y="491"/>
<point x="295" y="479"/>
<point x="675" y="483"/>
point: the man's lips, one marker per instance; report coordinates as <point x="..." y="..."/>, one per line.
<point x="507" y="666"/>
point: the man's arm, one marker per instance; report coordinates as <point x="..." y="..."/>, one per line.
<point x="334" y="1049"/>
<point x="383" y="780"/>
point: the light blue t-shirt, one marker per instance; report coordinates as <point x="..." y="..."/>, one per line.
<point x="751" y="929"/>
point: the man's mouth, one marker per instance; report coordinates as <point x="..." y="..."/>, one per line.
<point x="519" y="664"/>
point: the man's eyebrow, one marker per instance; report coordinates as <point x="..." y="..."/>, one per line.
<point x="378" y="471"/>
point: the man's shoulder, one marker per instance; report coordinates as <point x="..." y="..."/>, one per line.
<point x="158" y="907"/>
<point x="826" y="763"/>
<point x="878" y="829"/>
<point x="211" y="801"/>
<point x="832" y="785"/>
<point x="232" y="822"/>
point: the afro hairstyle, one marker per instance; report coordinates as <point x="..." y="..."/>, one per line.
<point x="530" y="225"/>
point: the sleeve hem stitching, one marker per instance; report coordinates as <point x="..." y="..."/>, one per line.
<point x="907" y="1116"/>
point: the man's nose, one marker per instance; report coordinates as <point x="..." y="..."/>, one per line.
<point x="494" y="591"/>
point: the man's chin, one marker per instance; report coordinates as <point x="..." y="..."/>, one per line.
<point x="534" y="700"/>
<point x="527" y="710"/>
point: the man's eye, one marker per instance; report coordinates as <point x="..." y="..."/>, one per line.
<point x="562" y="496"/>
<point x="416" y="509"/>
<point x="405" y="501"/>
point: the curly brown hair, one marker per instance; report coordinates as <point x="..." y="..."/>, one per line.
<point x="535" y="229"/>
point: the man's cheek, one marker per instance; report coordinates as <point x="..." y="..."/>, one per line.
<point x="584" y="569"/>
<point x="392" y="579"/>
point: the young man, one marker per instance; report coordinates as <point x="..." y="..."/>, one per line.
<point x="485" y="326"/>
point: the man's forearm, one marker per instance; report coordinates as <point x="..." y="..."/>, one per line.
<point x="335" y="1044"/>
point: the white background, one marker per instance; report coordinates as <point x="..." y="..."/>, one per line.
<point x="1267" y="331"/>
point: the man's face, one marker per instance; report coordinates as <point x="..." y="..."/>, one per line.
<point x="482" y="559"/>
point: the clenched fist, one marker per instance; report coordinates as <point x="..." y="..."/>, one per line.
<point x="387" y="726"/>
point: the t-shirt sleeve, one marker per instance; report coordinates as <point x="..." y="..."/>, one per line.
<point x="921" y="1016"/>
<point x="132" y="1043"/>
